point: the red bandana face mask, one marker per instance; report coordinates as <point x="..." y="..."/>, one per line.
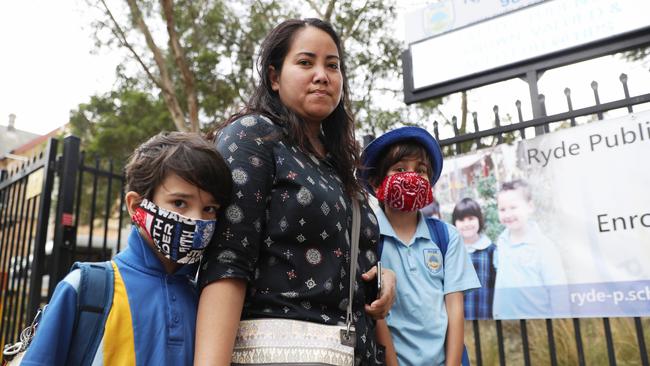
<point x="406" y="191"/>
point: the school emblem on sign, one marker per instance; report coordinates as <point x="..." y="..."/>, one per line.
<point x="433" y="260"/>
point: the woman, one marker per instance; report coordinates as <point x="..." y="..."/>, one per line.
<point x="282" y="249"/>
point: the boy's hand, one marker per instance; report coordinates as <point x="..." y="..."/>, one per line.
<point x="379" y="308"/>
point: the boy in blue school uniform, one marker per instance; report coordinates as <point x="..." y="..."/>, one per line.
<point x="426" y="321"/>
<point x="176" y="184"/>
<point x="530" y="281"/>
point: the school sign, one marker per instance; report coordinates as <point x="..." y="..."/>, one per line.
<point x="590" y="204"/>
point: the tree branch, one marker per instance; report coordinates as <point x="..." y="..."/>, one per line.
<point x="315" y="7"/>
<point x="330" y="9"/>
<point x="463" y="111"/>
<point x="186" y="73"/>
<point x="348" y="30"/>
<point x="121" y="37"/>
<point x="389" y="90"/>
<point x="167" y="87"/>
<point x="446" y="120"/>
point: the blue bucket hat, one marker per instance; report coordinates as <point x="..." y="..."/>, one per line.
<point x="374" y="150"/>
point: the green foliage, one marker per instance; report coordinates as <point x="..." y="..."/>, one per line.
<point x="487" y="191"/>
<point x="637" y="54"/>
<point x="375" y="66"/>
<point x="113" y="124"/>
<point x="219" y="40"/>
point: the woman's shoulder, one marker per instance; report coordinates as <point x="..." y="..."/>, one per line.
<point x="250" y="125"/>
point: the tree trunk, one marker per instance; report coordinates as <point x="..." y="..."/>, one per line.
<point x="186" y="73"/>
<point x="167" y="86"/>
<point x="463" y="112"/>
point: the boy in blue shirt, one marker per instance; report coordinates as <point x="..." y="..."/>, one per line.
<point x="176" y="184"/>
<point x="426" y="321"/>
<point x="530" y="280"/>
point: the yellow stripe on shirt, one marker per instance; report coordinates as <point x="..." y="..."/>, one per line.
<point x="119" y="346"/>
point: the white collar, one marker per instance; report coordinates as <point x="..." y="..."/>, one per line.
<point x="482" y="243"/>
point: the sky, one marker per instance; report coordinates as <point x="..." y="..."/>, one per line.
<point x="47" y="68"/>
<point x="49" y="65"/>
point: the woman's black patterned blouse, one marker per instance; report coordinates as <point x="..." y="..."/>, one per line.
<point x="286" y="232"/>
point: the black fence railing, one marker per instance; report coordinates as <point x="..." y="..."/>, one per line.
<point x="24" y="218"/>
<point x="90" y="206"/>
<point x="38" y="242"/>
<point x="582" y="349"/>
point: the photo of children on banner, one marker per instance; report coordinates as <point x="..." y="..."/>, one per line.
<point x="530" y="280"/>
<point x="468" y="219"/>
<point x="433" y="269"/>
<point x="141" y="306"/>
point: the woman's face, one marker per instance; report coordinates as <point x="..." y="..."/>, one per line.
<point x="310" y="82"/>
<point x="468" y="228"/>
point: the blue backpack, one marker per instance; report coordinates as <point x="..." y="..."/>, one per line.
<point x="94" y="299"/>
<point x="440" y="236"/>
<point x="93" y="305"/>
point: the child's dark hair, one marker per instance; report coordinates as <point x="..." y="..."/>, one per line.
<point x="518" y="184"/>
<point x="467" y="207"/>
<point x="393" y="154"/>
<point x="185" y="154"/>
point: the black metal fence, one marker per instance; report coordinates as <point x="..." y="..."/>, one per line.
<point x="514" y="342"/>
<point x="39" y="242"/>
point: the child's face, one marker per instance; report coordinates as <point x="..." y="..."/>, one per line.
<point x="180" y="196"/>
<point x="468" y="228"/>
<point x="514" y="209"/>
<point x="409" y="165"/>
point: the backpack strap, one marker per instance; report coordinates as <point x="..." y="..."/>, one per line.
<point x="93" y="304"/>
<point x="464" y="360"/>
<point x="439" y="234"/>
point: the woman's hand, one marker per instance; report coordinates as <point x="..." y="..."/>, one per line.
<point x="379" y="308"/>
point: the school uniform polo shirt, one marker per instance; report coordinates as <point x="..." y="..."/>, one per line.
<point x="531" y="281"/>
<point x="151" y="321"/>
<point x="418" y="319"/>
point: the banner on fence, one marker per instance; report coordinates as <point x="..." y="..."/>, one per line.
<point x="566" y="221"/>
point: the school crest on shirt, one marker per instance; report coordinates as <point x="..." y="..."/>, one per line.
<point x="433" y="260"/>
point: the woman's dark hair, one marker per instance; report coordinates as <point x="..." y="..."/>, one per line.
<point x="468" y="207"/>
<point x="185" y="154"/>
<point x="338" y="127"/>
<point x="395" y="153"/>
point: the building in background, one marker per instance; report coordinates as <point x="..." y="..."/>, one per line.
<point x="18" y="147"/>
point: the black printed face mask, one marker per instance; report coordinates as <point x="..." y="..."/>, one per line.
<point x="180" y="239"/>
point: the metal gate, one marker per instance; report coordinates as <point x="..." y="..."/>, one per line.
<point x="54" y="210"/>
